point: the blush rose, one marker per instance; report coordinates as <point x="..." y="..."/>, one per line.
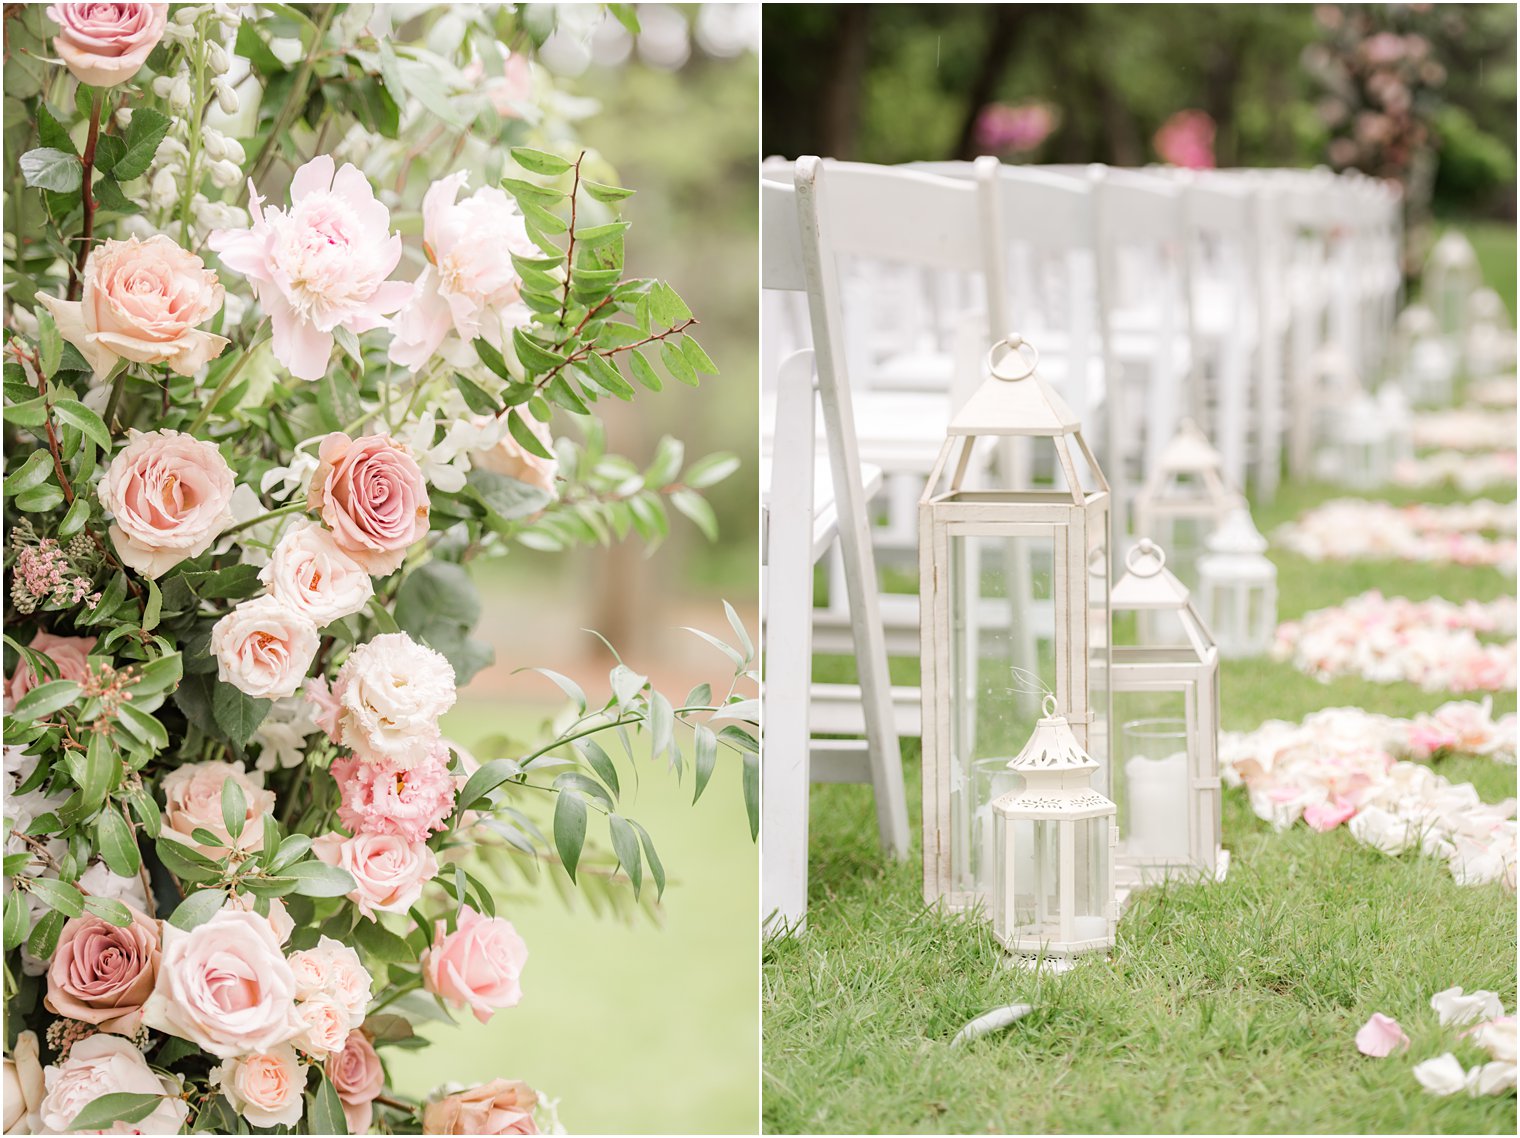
<point x="170" y="497"/>
<point x="264" y="648"/>
<point x="501" y="1106"/>
<point x="193" y="800"/>
<point x="358" y="1077"/>
<point x="70" y="653"/>
<point x="478" y="966"/>
<point x="103" y="974"/>
<point x="106" y="44"/>
<point x="312" y="575"/>
<point x="371" y="493"/>
<point x="107" y="1065"/>
<point x="388" y="870"/>
<point x="265" y="1087"/>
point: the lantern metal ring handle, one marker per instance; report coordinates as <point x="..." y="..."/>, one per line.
<point x="1049" y="705"/>
<point x="1146" y="548"/>
<point x="1015" y="344"/>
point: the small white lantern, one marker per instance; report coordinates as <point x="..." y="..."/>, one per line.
<point x="1451" y="276"/>
<point x="1237" y="589"/>
<point x="1166" y="705"/>
<point x="1360" y="454"/>
<point x="1421" y="361"/>
<point x="1184" y="498"/>
<point x="1055" y="847"/>
<point x="1490" y="345"/>
<point x="1394" y="407"/>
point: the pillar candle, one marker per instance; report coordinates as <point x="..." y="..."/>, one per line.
<point x="1158" y="806"/>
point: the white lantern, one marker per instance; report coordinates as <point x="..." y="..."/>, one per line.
<point x="1394" y="407"/>
<point x="1166" y="744"/>
<point x="998" y="563"/>
<point x="1237" y="589"/>
<point x="1490" y="344"/>
<point x="1451" y="276"/>
<point x="1184" y="498"/>
<point x="1360" y="452"/>
<point x="1055" y="848"/>
<point x="1421" y="362"/>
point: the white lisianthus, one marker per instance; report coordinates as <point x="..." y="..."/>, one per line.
<point x="390" y="694"/>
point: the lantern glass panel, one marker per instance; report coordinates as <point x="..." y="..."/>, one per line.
<point x="1155" y="787"/>
<point x="1091" y="892"/>
<point x="1099" y="621"/>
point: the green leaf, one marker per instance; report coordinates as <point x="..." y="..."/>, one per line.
<point x="656" y="870"/>
<point x="390" y="73"/>
<point x="486" y="779"/>
<point x="536" y="358"/>
<point x="50" y="342"/>
<point x="318" y="879"/>
<point x="506" y="497"/>
<point x="603" y="193"/>
<point x="36" y="470"/>
<point x="626" y="15"/>
<point x="144" y="133"/>
<point x="476" y="398"/>
<point x="18" y="919"/>
<point x="117" y="846"/>
<point x="51" y="132"/>
<point x="325" y="1114"/>
<point x="666" y="305"/>
<point x="44" y="699"/>
<point x="157" y="675"/>
<point x="711" y="470"/>
<point x="185" y="862"/>
<point x="699" y="360"/>
<point x="491" y="357"/>
<point x="103" y="1112"/>
<point x="752" y="793"/>
<point x="600" y="761"/>
<point x="570" y="829"/>
<point x="78" y="415"/>
<point x="49" y="169"/>
<point x="109" y="910"/>
<point x="565" y="684"/>
<point x="234" y="808"/>
<point x="643" y="371"/>
<point x="198" y="908"/>
<point x="676" y="364"/>
<point x="44" y="938"/>
<point x="74" y="521"/>
<point x="696" y="508"/>
<point x="527" y="191"/>
<point x="154" y="609"/>
<point x="706" y="758"/>
<point x="39" y="499"/>
<point x="143" y="726"/>
<point x="382" y="944"/>
<point x="662" y="723"/>
<point x="599" y="235"/>
<point x="525" y="436"/>
<point x="625" y="844"/>
<point x="238" y="715"/>
<point x="58" y="895"/>
<point x="539" y="161"/>
<point x="253" y="48"/>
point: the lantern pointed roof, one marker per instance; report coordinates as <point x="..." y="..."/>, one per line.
<point x="1147" y="582"/>
<point x="1053" y="747"/>
<point x="1026" y="406"/>
<point x="1190" y="451"/>
<point x="1237" y="534"/>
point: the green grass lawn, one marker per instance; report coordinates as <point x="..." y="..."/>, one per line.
<point x="1226" y="1008"/>
<point x="636" y="1028"/>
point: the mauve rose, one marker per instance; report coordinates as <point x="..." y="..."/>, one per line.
<point x="478" y="966"/>
<point x="315" y="578"/>
<point x="141" y="302"/>
<point x="170" y="495"/>
<point x="106" y="44"/>
<point x="390" y="692"/>
<point x="70" y="653"/>
<point x="225" y="986"/>
<point x="389" y="870"/>
<point x="108" y="1065"/>
<point x="371" y="493"/>
<point x="193" y="799"/>
<point x="357" y="1076"/>
<point x="264" y="648"/>
<point x="501" y="1106"/>
<point x="102" y="974"/>
<point x="265" y="1087"/>
<point x="511" y="458"/>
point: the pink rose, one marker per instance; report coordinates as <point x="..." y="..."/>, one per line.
<point x="469" y="285"/>
<point x="358" y="1077"/>
<point x="409" y="802"/>
<point x="327" y="1026"/>
<point x="103" y="974"/>
<point x="389" y="870"/>
<point x="322" y="265"/>
<point x="108" y="1065"/>
<point x="265" y="1087"/>
<point x="498" y="1107"/>
<point x="193" y="799"/>
<point x="264" y="648"/>
<point x="170" y="495"/>
<point x="106" y="44"/>
<point x="279" y="917"/>
<point x="1328" y="815"/>
<point x="1380" y="1036"/>
<point x="142" y="301"/>
<point x="511" y="458"/>
<point x="371" y="493"/>
<point x="332" y="970"/>
<point x="477" y="966"/>
<point x="225" y="986"/>
<point x="315" y="578"/>
<point x="70" y="653"/>
<point x="391" y="692"/>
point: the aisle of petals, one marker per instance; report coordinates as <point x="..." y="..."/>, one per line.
<point x="1467" y="472"/>
<point x="1432" y="643"/>
<point x="1348" y="529"/>
<point x="1465" y="428"/>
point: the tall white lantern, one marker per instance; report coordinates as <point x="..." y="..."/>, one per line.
<point x="997" y="563"/>
<point x="1184" y="498"/>
<point x="1237" y="589"/>
<point x="1054" y="889"/>
<point x="1166" y="740"/>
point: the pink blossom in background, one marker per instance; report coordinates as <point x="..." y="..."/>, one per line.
<point x="1016" y="128"/>
<point x="1187" y="140"/>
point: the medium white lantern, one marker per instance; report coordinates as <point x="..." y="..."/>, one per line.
<point x="1055" y="848"/>
<point x="1185" y="497"/>
<point x="1490" y="344"/>
<point x="1360" y="452"/>
<point x="1166" y="745"/>
<point x="1394" y="407"/>
<point x="1421" y="361"/>
<point x="997" y="564"/>
<point x="1237" y="589"/>
<point x="1451" y="276"/>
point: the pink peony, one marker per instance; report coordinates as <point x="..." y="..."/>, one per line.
<point x="371" y="493"/>
<point x="170" y="496"/>
<point x="314" y="577"/>
<point x="389" y="870"/>
<point x="142" y="301"/>
<point x="70" y="653"/>
<point x="103" y="974"/>
<point x="410" y="803"/>
<point x="264" y="648"/>
<point x="498" y="1107"/>
<point x="469" y="285"/>
<point x="391" y="692"/>
<point x="107" y="1065"/>
<point x="322" y="265"/>
<point x="265" y="1087"/>
<point x="478" y="966"/>
<point x="508" y="92"/>
<point x="358" y="1077"/>
<point x="1380" y="1036"/>
<point x="106" y="44"/>
<point x="193" y="800"/>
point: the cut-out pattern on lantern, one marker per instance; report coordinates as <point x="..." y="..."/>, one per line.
<point x="1237" y="589"/>
<point x="1005" y="590"/>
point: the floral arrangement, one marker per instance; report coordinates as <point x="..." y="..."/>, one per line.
<point x="1465" y="428"/>
<point x="1492" y="1033"/>
<point x="1467" y="472"/>
<point x="1369" y="772"/>
<point x="1433" y="643"/>
<point x="254" y="436"/>
<point x="1348" y="529"/>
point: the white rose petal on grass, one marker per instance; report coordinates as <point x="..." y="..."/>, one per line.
<point x="1442" y="1075"/>
<point x="1456" y="1008"/>
<point x="264" y="648"/>
<point x="1491" y="1079"/>
<point x="315" y="578"/>
<point x="1497" y="1037"/>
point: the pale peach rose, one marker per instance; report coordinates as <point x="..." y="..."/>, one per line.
<point x="70" y="653"/>
<point x="141" y="302"/>
<point x="279" y="917"/>
<point x="102" y="974"/>
<point x="106" y="44"/>
<point x="390" y="692"/>
<point x="24" y="1086"/>
<point x="332" y="969"/>
<point x="327" y="1026"/>
<point x="264" y="648"/>
<point x="479" y="966"/>
<point x="501" y="1106"/>
<point x="511" y="458"/>
<point x="195" y="1000"/>
<point x="265" y="1087"/>
<point x="314" y="577"/>
<point x="193" y="799"/>
<point x="170" y="496"/>
<point x="108" y="1065"/>
<point x="371" y="493"/>
<point x="389" y="870"/>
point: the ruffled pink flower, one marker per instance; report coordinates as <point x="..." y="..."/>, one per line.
<point x="379" y="798"/>
<point x="320" y="265"/>
<point x="1380" y="1036"/>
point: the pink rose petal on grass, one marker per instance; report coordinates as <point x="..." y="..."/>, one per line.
<point x="1381" y="1036"/>
<point x="1327" y="816"/>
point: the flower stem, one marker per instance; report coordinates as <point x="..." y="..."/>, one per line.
<point x="86" y="200"/>
<point x="294" y="507"/>
<point x="226" y="384"/>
